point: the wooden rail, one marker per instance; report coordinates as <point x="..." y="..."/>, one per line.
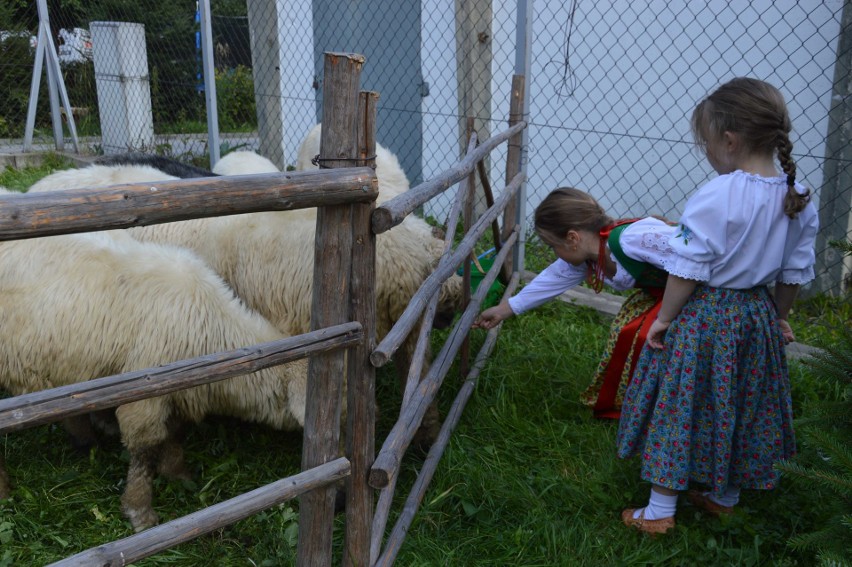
<point x="123" y="206"/>
<point x="445" y="269"/>
<point x="122" y="552"/>
<point x="45" y="406"/>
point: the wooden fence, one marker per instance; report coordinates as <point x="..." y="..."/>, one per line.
<point x="341" y="344"/>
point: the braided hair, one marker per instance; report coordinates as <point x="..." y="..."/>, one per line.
<point x="756" y="111"/>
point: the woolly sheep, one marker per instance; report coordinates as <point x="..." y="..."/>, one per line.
<point x="81" y="306"/>
<point x="391" y="176"/>
<point x="267" y="258"/>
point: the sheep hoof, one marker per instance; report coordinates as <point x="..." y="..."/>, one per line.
<point x="141" y="519"/>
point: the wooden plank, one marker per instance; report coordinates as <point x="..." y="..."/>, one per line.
<point x="45" y="406"/>
<point x="144" y="544"/>
<point x="430" y="464"/>
<point x="33" y="215"/>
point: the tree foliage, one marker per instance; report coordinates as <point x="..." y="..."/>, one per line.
<point x="826" y="437"/>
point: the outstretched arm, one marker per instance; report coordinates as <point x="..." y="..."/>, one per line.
<point x="677" y="293"/>
<point x="492" y="316"/>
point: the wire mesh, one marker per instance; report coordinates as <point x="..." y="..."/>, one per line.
<point x="612" y="85"/>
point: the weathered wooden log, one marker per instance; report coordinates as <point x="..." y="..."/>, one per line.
<point x="330" y="305"/>
<point x="513" y="163"/>
<point x="123" y="206"/>
<point x="430" y="464"/>
<point x="390" y="456"/>
<point x="361" y="377"/>
<point x="392" y="212"/>
<point x="444" y="270"/>
<point x="419" y="355"/>
<point x="159" y="538"/>
<point x="45" y="406"/>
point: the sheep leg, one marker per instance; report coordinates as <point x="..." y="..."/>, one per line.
<point x="5" y="485"/>
<point x="144" y="431"/>
<point x="105" y="423"/>
<point x="136" y="502"/>
<point x="172" y="462"/>
<point x="81" y="434"/>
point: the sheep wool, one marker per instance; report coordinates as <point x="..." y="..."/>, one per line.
<point x="78" y="307"/>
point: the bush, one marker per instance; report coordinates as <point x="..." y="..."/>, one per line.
<point x="235" y="98"/>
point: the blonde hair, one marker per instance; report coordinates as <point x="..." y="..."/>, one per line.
<point x="566" y="208"/>
<point x="756" y="111"/>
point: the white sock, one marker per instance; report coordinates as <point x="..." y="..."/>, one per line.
<point x="730" y="498"/>
<point x="659" y="506"/>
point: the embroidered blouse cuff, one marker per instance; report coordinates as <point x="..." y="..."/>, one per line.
<point x="688" y="269"/>
<point x="796" y="277"/>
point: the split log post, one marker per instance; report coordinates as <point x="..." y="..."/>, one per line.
<point x="513" y="165"/>
<point x="330" y="305"/>
<point x="361" y="376"/>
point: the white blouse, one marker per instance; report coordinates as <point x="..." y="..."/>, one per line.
<point x="734" y="234"/>
<point x="646" y="240"/>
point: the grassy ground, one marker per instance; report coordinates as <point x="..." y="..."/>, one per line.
<point x="529" y="478"/>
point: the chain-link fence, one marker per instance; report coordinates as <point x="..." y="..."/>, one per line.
<point x="611" y="86"/>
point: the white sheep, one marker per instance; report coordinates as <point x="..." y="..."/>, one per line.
<point x="267" y="258"/>
<point x="391" y="176"/>
<point x="77" y="307"/>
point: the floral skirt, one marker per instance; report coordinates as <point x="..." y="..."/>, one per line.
<point x="713" y="406"/>
<point x="626" y="337"/>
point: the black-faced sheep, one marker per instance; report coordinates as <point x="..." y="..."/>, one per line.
<point x="78" y="307"/>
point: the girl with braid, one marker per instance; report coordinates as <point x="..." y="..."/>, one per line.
<point x="709" y="403"/>
<point x="591" y="246"/>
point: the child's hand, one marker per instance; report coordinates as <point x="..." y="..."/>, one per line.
<point x="492" y="316"/>
<point x="786" y="331"/>
<point x="657" y="332"/>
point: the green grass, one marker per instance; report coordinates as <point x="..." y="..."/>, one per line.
<point x="529" y="478"/>
<point x="21" y="179"/>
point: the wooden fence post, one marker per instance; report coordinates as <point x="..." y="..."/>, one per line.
<point x="330" y="306"/>
<point x="361" y="375"/>
<point x="513" y="167"/>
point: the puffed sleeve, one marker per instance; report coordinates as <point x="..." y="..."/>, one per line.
<point x="551" y="282"/>
<point x="799" y="255"/>
<point x="700" y="237"/>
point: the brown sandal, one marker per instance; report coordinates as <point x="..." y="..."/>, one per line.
<point x="700" y="500"/>
<point x="653" y="527"/>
